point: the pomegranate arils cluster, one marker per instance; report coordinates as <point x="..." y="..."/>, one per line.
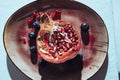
<point x="64" y="38"/>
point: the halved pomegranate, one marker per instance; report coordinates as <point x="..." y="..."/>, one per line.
<point x="57" y="41"/>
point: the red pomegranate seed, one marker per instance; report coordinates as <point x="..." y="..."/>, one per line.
<point x="51" y="51"/>
<point x="30" y="22"/>
<point x="67" y="45"/>
<point x="59" y="30"/>
<point x="70" y="26"/>
<point x="73" y="39"/>
<point x="35" y="14"/>
<point x="56" y="42"/>
<point x="75" y="43"/>
<point x="71" y="45"/>
<point x="70" y="34"/>
<point x="61" y="50"/>
<point x="56" y="15"/>
<point x="76" y="37"/>
<point x="62" y="40"/>
<point x="65" y="49"/>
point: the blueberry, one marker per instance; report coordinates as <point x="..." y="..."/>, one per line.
<point x="33" y="49"/>
<point x="79" y="56"/>
<point x="42" y="63"/>
<point x="84" y="27"/>
<point x="36" y="25"/>
<point x="32" y="35"/>
<point x="34" y="57"/>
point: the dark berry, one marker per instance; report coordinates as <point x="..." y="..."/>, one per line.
<point x="85" y="33"/>
<point x="42" y="63"/>
<point x="32" y="35"/>
<point x="34" y="58"/>
<point x="79" y="56"/>
<point x="84" y="27"/>
<point x="36" y="25"/>
<point x="33" y="49"/>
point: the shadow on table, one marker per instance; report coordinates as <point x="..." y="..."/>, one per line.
<point x="69" y="70"/>
<point x="16" y="74"/>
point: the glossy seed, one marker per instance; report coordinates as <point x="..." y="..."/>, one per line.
<point x="30" y="22"/>
<point x="56" y="15"/>
<point x="35" y="14"/>
<point x="51" y="51"/>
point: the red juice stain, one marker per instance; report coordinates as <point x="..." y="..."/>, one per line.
<point x="21" y="36"/>
<point x="24" y="41"/>
<point x="92" y="40"/>
<point x="90" y="47"/>
<point x="87" y="62"/>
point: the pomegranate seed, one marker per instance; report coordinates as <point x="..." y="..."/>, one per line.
<point x="71" y="45"/>
<point x="70" y="26"/>
<point x="67" y="45"/>
<point x="30" y="22"/>
<point x="64" y="42"/>
<point x="61" y="50"/>
<point x="56" y="15"/>
<point x="54" y="37"/>
<point x="51" y="51"/>
<point x="50" y="44"/>
<point x="35" y="14"/>
<point x="66" y="28"/>
<point x="59" y="30"/>
<point x="57" y="48"/>
<point x="76" y="37"/>
<point x="62" y="29"/>
<point x="65" y="49"/>
<point x="75" y="48"/>
<point x="70" y="34"/>
<point x="61" y="40"/>
<point x="73" y="39"/>
<point x="58" y="34"/>
<point x="56" y="42"/>
<point x="75" y="43"/>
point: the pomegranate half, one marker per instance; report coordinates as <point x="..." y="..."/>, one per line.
<point x="57" y="41"/>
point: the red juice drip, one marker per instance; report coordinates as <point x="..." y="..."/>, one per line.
<point x="89" y="60"/>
